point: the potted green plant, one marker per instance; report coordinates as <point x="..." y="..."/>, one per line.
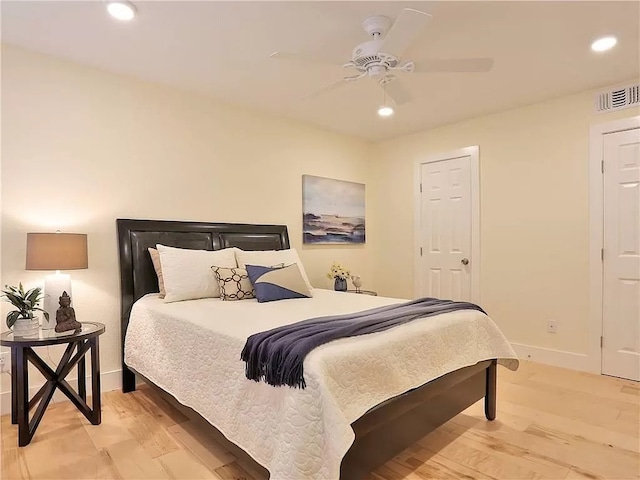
<point x="23" y="321"/>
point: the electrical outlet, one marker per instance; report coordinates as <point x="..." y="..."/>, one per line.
<point x="3" y="362"/>
<point x="552" y="327"/>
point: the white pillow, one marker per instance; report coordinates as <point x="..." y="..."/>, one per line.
<point x="268" y="258"/>
<point x="187" y="274"/>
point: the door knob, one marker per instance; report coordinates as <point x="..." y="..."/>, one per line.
<point x="465" y="261"/>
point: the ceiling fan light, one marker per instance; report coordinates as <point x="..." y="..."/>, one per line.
<point x="385" y="111"/>
<point x="121" y="10"/>
<point x="603" y="44"/>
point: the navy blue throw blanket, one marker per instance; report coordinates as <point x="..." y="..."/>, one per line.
<point x="276" y="356"/>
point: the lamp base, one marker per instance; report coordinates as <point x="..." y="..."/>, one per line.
<point x="54" y="285"/>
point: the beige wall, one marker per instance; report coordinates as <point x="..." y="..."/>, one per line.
<point x="534" y="215"/>
<point x="81" y="147"/>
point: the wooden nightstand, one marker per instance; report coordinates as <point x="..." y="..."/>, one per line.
<point x="79" y="342"/>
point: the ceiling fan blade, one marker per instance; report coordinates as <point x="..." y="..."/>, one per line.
<point x="396" y="91"/>
<point x="305" y="57"/>
<point x="325" y="89"/>
<point x="453" y="65"/>
<point x="407" y="27"/>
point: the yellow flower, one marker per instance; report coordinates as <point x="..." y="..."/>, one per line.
<point x="338" y="271"/>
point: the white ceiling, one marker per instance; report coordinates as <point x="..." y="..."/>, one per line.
<point x="222" y="49"/>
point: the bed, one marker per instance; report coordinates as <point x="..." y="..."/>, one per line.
<point x="401" y="413"/>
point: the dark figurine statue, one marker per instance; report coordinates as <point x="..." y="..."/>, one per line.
<point x="66" y="315"/>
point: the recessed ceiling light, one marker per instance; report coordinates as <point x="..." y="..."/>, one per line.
<point x="603" y="44"/>
<point x="122" y="10"/>
<point x="385" y="111"/>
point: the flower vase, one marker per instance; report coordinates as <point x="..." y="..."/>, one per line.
<point x="340" y="284"/>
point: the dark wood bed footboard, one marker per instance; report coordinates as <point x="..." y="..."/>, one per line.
<point x="387" y="429"/>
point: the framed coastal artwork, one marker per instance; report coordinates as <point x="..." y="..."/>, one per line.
<point x="332" y="211"/>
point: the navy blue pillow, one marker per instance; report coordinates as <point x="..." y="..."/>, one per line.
<point x="277" y="283"/>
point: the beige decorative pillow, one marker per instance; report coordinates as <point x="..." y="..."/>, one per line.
<point x="279" y="283"/>
<point x="234" y="283"/>
<point x="155" y="258"/>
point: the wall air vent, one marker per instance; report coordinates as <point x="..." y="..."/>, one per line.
<point x="618" y="98"/>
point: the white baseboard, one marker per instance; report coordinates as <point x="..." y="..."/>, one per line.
<point x="108" y="381"/>
<point x="556" y="358"/>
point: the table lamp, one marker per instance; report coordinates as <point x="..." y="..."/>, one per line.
<point x="56" y="251"/>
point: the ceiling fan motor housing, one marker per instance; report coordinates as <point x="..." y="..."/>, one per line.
<point x="366" y="57"/>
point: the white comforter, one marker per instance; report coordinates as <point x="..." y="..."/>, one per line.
<point x="192" y="350"/>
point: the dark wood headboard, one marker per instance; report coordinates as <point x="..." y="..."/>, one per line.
<point x="137" y="276"/>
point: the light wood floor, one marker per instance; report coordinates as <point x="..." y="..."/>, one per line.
<point x="552" y="423"/>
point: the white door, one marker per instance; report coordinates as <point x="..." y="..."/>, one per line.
<point x="445" y="227"/>
<point x="621" y="282"/>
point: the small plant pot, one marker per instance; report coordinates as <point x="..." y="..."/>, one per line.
<point x="26" y="327"/>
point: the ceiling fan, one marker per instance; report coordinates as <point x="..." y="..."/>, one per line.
<point x="381" y="57"/>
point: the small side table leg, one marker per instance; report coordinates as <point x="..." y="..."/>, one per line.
<point x="22" y="396"/>
<point x="82" y="375"/>
<point x="14" y="386"/>
<point x="95" y="381"/>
